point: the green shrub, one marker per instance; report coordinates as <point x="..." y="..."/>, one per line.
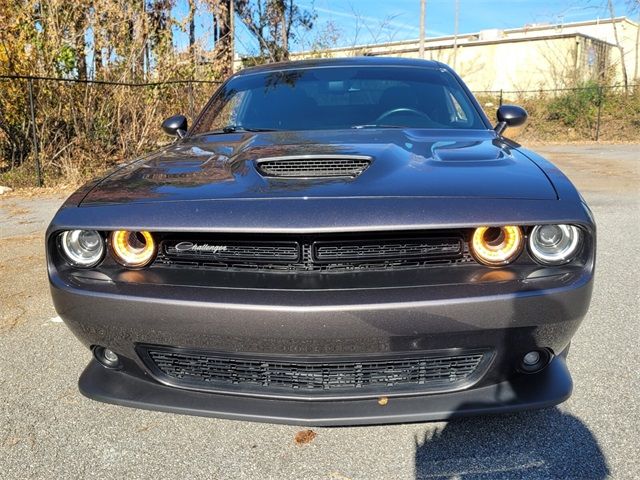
<point x="577" y="107"/>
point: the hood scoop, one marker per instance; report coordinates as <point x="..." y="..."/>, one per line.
<point x="314" y="166"/>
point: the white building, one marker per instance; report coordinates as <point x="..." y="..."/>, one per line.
<point x="533" y="57"/>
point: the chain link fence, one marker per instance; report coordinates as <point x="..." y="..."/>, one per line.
<point x="66" y="131"/>
<point x="589" y="113"/>
<point x="57" y="130"/>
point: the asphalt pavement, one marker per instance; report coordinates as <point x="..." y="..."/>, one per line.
<point x="48" y="430"/>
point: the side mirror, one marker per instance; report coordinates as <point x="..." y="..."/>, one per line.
<point x="175" y="126"/>
<point x="510" y="116"/>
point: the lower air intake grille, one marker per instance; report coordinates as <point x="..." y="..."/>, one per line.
<point x="313" y="167"/>
<point x="211" y="371"/>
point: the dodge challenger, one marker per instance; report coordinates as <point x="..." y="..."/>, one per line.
<point x="331" y="242"/>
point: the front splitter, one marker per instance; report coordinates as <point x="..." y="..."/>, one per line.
<point x="550" y="387"/>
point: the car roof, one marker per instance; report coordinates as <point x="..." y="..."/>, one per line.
<point x="341" y="62"/>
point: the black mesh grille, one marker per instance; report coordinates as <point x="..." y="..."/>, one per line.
<point x="313" y="254"/>
<point x="314" y="167"/>
<point x="220" y="372"/>
<point x="392" y="248"/>
<point x="232" y="252"/>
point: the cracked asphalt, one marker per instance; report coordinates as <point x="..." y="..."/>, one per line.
<point x="48" y="430"/>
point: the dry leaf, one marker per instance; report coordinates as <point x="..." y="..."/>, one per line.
<point x="305" y="436"/>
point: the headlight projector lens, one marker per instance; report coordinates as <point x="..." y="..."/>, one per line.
<point x="554" y="244"/>
<point x="495" y="246"/>
<point x="82" y="248"/>
<point x="132" y="249"/>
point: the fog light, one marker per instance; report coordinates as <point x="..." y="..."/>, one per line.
<point x="106" y="357"/>
<point x="112" y="357"/>
<point x="530" y="358"/>
<point x="535" y="360"/>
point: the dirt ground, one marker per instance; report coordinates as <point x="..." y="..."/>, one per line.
<point x="595" y="168"/>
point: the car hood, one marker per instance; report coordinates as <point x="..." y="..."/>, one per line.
<point x="405" y="163"/>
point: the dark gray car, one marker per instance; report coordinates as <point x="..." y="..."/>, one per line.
<point x="332" y="242"/>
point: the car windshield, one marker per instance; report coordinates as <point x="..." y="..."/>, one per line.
<point x="339" y="98"/>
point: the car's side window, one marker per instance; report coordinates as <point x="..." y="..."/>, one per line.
<point x="459" y="114"/>
<point x="230" y="111"/>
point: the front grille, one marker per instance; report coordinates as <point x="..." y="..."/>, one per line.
<point x="215" y="371"/>
<point x="233" y="251"/>
<point x="328" y="253"/>
<point x="389" y="249"/>
<point x="313" y="167"/>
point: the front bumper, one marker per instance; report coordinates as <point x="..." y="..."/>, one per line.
<point x="551" y="386"/>
<point x="506" y="317"/>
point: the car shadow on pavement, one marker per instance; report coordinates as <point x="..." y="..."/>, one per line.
<point x="542" y="444"/>
<point x="536" y="444"/>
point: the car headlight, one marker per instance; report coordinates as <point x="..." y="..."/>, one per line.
<point x="496" y="246"/>
<point x="81" y="248"/>
<point x="554" y="244"/>
<point x="132" y="249"/>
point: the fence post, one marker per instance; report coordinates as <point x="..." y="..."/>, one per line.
<point x="500" y="104"/>
<point x="34" y="133"/>
<point x="599" y="112"/>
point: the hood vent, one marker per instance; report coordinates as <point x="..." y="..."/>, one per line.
<point x="314" y="166"/>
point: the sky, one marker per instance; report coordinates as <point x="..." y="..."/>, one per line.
<point x="361" y="22"/>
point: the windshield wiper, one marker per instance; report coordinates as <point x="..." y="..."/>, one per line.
<point x="377" y="126"/>
<point x="240" y="128"/>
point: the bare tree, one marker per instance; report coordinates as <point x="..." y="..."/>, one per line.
<point x="324" y="39"/>
<point x="620" y="47"/>
<point x="80" y="15"/>
<point x="381" y="30"/>
<point x="223" y="35"/>
<point x="274" y="23"/>
<point x="633" y="7"/>
<point x="191" y="18"/>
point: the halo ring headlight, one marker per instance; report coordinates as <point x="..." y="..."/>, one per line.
<point x="81" y="248"/>
<point x="554" y="244"/>
<point x="496" y="246"/>
<point x="132" y="249"/>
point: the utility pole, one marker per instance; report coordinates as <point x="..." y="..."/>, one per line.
<point x="423" y="10"/>
<point x="232" y="33"/>
<point x="635" y="68"/>
<point x="455" y="35"/>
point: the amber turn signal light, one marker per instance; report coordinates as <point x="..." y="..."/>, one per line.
<point x="132" y="249"/>
<point x="496" y="246"/>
